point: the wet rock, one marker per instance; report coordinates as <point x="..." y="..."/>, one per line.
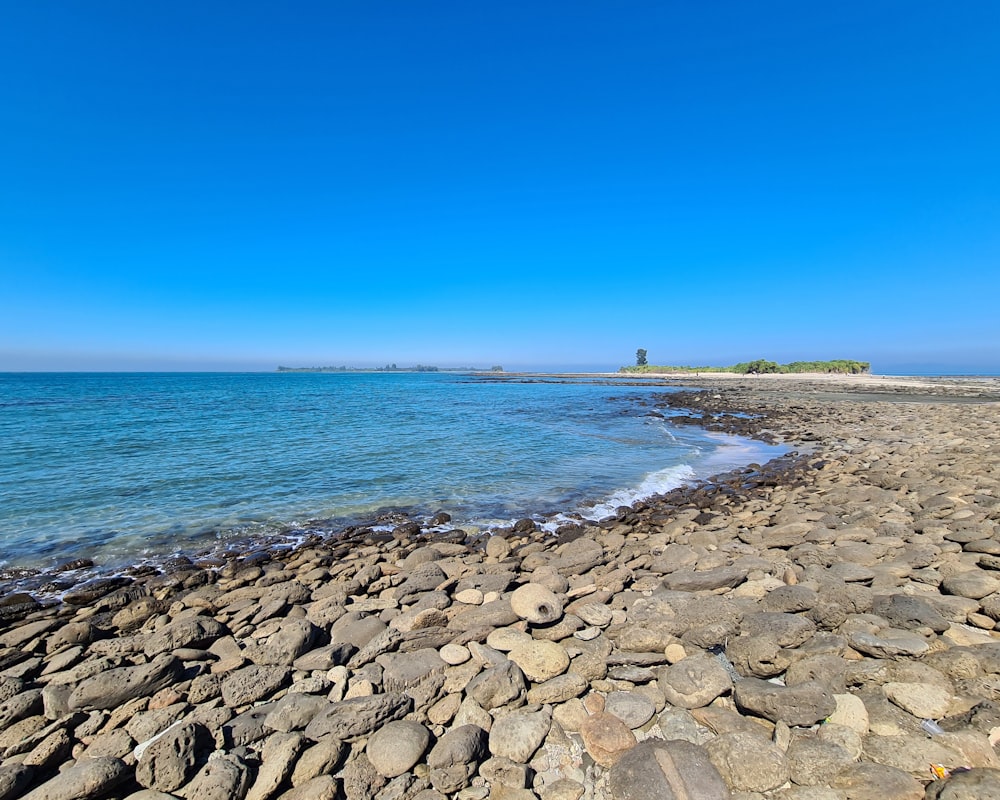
<point x="662" y="770"/>
<point x="397" y="746"/>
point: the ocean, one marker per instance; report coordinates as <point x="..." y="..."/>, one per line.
<point x="123" y="468"/>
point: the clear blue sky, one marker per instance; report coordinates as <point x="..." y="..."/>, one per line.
<point x="553" y="184"/>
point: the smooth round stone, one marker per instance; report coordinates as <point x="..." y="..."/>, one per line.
<point x="454" y="654"/>
<point x="634" y="709"/>
<point x="397" y="746"/>
<point x="540" y="660"/>
<point x="470" y="597"/>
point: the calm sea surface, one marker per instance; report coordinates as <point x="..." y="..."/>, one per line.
<point x="122" y="467"/>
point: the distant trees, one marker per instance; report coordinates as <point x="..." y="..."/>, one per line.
<point x="760" y="366"/>
<point x="640" y="357"/>
<point x="496" y="369"/>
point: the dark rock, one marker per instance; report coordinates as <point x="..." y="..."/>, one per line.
<point x="90" y="777"/>
<point x="359" y="716"/>
<point x="117" y="686"/>
<point x="804" y="704"/>
<point x="666" y="770"/>
<point x="973" y="784"/>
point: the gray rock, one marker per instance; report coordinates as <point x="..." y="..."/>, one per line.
<point x="789" y="599"/>
<point x="295" y="711"/>
<point x="116" y="687"/>
<point x="687" y="580"/>
<point x="168" y="762"/>
<point x="359" y="716"/>
<point x="976" y="784"/>
<point x="813" y="761"/>
<point x="26" y="703"/>
<point x="292" y="638"/>
<point x="908" y="612"/>
<point x="788" y="630"/>
<point x="536" y="603"/>
<point x="466" y="744"/>
<point x="694" y="682"/>
<point x="748" y="762"/>
<point x="632" y="708"/>
<point x="877" y="782"/>
<point x="277" y="759"/>
<point x="247" y="727"/>
<point x="320" y="759"/>
<point x="758" y="656"/>
<point x="90" y="777"/>
<point x="361" y="781"/>
<point x="423" y="578"/>
<point x="666" y="770"/>
<point x="403" y="671"/>
<point x="497" y="686"/>
<point x="558" y="689"/>
<point x="397" y="746"/>
<point x="253" y="683"/>
<point x="974" y="584"/>
<point x="518" y="735"/>
<point x="888" y="643"/>
<point x="322" y="787"/>
<point x="355" y="629"/>
<point x="223" y="777"/>
<point x="804" y="704"/>
<point x="198" y="632"/>
<point x="14" y="779"/>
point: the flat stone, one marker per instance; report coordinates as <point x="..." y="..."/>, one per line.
<point x="888" y="643"/>
<point x="974" y="584"/>
<point x="295" y="711"/>
<point x="923" y="700"/>
<point x="976" y="784"/>
<point x="558" y="689"/>
<point x="850" y="713"/>
<point x="666" y="770"/>
<point x="867" y="781"/>
<point x="686" y="580"/>
<point x="814" y="761"/>
<point x="908" y="612"/>
<point x="116" y="687"/>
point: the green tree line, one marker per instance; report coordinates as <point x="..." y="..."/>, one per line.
<point x="762" y="366"/>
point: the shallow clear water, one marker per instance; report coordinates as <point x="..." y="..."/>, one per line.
<point x="119" y="467"/>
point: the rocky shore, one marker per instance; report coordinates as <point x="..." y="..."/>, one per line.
<point x="823" y="627"/>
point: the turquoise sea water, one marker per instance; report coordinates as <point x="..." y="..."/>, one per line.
<point x="123" y="467"/>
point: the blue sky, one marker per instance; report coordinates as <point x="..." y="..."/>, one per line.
<point x="237" y="185"/>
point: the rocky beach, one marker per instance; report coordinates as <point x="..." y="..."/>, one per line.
<point x="822" y="627"/>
